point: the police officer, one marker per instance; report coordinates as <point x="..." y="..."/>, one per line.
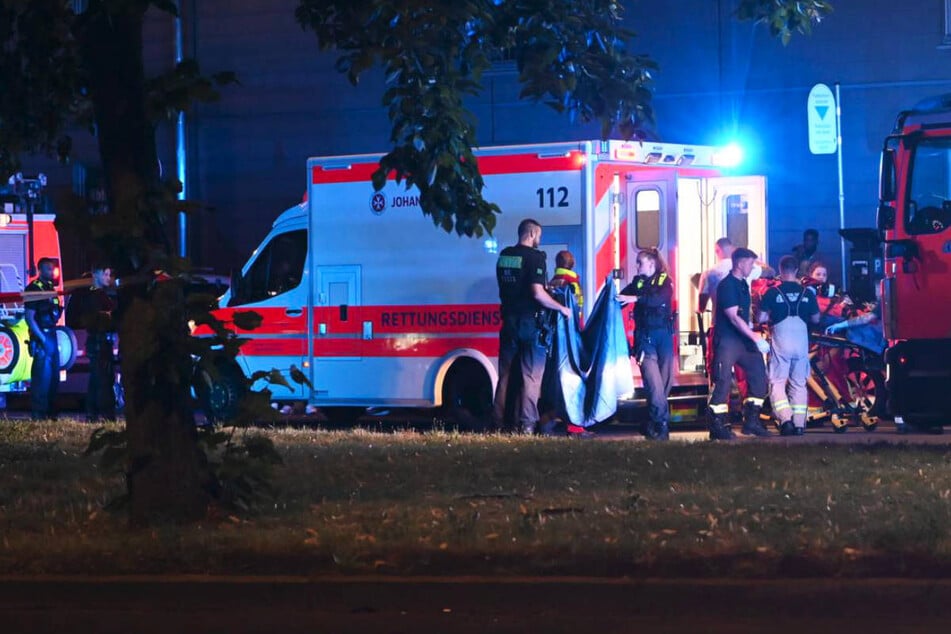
<point x="96" y="318"/>
<point x="521" y="274"/>
<point x="787" y="307"/>
<point x="41" y="317"/>
<point x="652" y="293"/>
<point x="735" y="344"/>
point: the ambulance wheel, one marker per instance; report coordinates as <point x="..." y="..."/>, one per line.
<point x="9" y="350"/>
<point x="467" y="395"/>
<point x="220" y="396"/>
<point x="344" y="415"/>
<point x="66" y="342"/>
<point x="867" y="390"/>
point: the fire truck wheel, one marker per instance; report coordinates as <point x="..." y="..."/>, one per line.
<point x="9" y="350"/>
<point x="467" y="395"/>
<point x="220" y="395"/>
<point x="343" y="415"/>
<point x="66" y="342"/>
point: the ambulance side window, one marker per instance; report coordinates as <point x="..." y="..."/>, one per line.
<point x="278" y="268"/>
<point x="737" y="219"/>
<point x="647" y="218"/>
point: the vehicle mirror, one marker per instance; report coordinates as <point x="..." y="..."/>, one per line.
<point x="886" y="217"/>
<point x="886" y="179"/>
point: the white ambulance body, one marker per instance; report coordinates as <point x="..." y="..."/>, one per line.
<point x="378" y="307"/>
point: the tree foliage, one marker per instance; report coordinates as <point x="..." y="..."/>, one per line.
<point x="572" y="55"/>
<point x="785" y="17"/>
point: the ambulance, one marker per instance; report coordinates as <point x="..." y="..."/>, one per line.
<point x="26" y="234"/>
<point x="380" y="308"/>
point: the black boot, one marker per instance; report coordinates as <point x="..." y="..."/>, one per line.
<point x="752" y="425"/>
<point x="528" y="429"/>
<point x="718" y="426"/>
<point x="661" y="431"/>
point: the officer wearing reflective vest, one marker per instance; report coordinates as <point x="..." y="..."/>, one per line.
<point x="652" y="292"/>
<point x="41" y="317"/>
<point x="787" y="308"/>
<point x="736" y="344"/>
<point x="521" y="275"/>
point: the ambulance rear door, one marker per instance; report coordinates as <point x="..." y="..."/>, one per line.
<point x="736" y="210"/>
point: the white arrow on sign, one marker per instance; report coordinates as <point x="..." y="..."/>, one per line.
<point x="820" y="108"/>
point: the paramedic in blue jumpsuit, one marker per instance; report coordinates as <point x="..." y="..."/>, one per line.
<point x="41" y="316"/>
<point x="736" y="344"/>
<point x="652" y="293"/>
<point x="521" y="275"/>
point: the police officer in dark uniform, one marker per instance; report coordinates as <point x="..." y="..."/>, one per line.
<point x="96" y="317"/>
<point x="521" y="275"/>
<point x="736" y="344"/>
<point x="652" y="294"/>
<point x="41" y="317"/>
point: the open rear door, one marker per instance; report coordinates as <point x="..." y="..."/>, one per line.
<point x="738" y="212"/>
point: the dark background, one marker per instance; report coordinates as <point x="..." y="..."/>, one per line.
<point x="720" y="80"/>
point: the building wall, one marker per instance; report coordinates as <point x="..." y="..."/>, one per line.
<point x="719" y="80"/>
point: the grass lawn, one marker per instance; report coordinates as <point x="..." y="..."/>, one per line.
<point x="435" y="503"/>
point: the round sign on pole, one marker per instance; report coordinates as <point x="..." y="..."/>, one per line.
<point x="823" y="137"/>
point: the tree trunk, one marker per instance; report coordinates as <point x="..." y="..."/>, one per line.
<point x="167" y="471"/>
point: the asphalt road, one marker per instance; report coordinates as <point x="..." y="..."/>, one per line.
<point x="461" y="606"/>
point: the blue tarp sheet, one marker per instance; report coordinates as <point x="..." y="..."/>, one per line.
<point x="589" y="369"/>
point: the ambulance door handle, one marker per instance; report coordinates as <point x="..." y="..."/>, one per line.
<point x="293" y="312"/>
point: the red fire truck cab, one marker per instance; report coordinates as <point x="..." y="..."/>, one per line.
<point x="914" y="217"/>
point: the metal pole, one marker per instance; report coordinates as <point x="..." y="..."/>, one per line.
<point x="181" y="153"/>
<point x="838" y="132"/>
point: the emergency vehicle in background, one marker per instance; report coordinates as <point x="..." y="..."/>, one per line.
<point x="26" y="234"/>
<point x="915" y="218"/>
<point x="378" y="307"/>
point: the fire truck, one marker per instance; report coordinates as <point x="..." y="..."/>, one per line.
<point x="914" y="217"/>
<point x="378" y="307"/>
<point x="26" y="234"/>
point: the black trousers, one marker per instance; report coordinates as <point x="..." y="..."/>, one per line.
<point x="521" y="356"/>
<point x="729" y="352"/>
<point x="100" y="394"/>
<point x="654" y="352"/>
<point x="44" y="375"/>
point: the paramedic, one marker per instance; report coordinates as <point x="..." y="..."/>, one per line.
<point x="520" y="272"/>
<point x="707" y="287"/>
<point x="565" y="275"/>
<point x="789" y="308"/>
<point x="736" y="344"/>
<point x="651" y="292"/>
<point x="41" y="317"/>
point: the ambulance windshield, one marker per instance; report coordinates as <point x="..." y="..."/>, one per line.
<point x="278" y="268"/>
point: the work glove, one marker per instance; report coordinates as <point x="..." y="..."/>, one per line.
<point x="762" y="345"/>
<point x="834" y="328"/>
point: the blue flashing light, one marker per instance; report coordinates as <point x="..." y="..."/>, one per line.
<point x="491" y="245"/>
<point x="729" y="155"/>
